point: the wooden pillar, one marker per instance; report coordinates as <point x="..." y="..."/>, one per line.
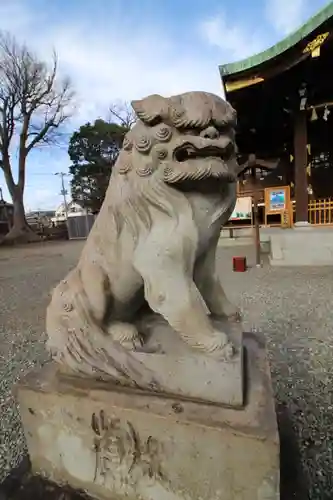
<point x="301" y="161"/>
<point x="252" y="162"/>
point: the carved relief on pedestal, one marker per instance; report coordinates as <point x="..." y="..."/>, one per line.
<point x="122" y="453"/>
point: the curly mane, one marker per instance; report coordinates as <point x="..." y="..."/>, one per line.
<point x="132" y="200"/>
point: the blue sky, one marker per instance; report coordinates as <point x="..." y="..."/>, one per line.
<point x="117" y="50"/>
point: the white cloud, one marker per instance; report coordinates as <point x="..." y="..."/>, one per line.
<point x="125" y="62"/>
<point x="121" y="63"/>
<point x="286" y="15"/>
<point x="104" y="67"/>
<point x="234" y="40"/>
<point x="133" y="69"/>
<point x="114" y="64"/>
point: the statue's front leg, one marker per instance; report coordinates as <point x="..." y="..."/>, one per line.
<point x="210" y="286"/>
<point x="171" y="292"/>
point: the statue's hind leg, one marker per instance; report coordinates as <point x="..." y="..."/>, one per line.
<point x="78" y="341"/>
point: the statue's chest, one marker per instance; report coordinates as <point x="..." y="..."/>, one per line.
<point x="204" y="209"/>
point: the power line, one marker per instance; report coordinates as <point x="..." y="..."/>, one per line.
<point x="41" y="173"/>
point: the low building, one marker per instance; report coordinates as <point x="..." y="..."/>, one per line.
<point x="73" y="210"/>
<point x="79" y="221"/>
<point x="39" y="219"/>
<point x="6" y="216"/>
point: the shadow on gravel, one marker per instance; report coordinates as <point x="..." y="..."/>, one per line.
<point x="22" y="485"/>
<point x="293" y="483"/>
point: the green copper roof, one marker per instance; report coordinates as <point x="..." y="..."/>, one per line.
<point x="305" y="30"/>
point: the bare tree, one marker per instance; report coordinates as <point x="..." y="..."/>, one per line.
<point x="123" y="113"/>
<point x="34" y="104"/>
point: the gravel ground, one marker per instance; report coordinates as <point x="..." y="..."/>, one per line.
<point x="291" y="306"/>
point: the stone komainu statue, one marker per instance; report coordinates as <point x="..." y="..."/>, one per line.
<point x="153" y="244"/>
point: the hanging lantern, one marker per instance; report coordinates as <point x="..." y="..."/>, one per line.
<point x="314" y="115"/>
<point x="303" y="97"/>
<point x="302" y="104"/>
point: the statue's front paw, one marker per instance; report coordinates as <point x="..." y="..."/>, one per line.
<point x="223" y="348"/>
<point x="218" y="345"/>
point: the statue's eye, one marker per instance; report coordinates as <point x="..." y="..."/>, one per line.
<point x="190" y="131"/>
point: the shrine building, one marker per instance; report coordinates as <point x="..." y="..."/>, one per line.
<point x="284" y="100"/>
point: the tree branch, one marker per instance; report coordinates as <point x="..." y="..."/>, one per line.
<point x="123" y="112"/>
<point x="6" y="168"/>
<point x="34" y="104"/>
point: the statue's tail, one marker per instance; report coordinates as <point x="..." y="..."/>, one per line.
<point x="88" y="350"/>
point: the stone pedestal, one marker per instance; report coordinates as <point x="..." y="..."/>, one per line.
<point x="123" y="444"/>
<point x="184" y="372"/>
<point x="302" y="246"/>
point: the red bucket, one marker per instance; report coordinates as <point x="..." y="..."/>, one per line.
<point x="239" y="264"/>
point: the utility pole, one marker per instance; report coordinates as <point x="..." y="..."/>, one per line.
<point x="63" y="191"/>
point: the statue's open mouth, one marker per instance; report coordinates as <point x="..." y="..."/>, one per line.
<point x="201" y="163"/>
<point x="189" y="151"/>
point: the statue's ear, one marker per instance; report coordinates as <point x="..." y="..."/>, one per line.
<point x="152" y="109"/>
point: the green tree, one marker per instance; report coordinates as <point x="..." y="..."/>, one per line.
<point x="93" y="150"/>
